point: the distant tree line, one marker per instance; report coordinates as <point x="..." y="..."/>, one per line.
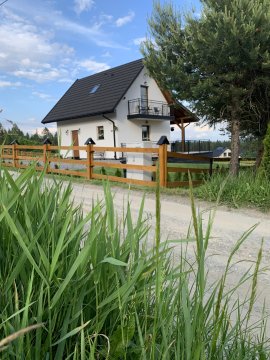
<point x="248" y="147"/>
<point x="7" y="136"/>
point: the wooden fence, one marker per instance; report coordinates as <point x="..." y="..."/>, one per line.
<point x="48" y="158"/>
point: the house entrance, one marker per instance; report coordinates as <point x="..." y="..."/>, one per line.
<point x="144" y="100"/>
<point x="75" y="142"/>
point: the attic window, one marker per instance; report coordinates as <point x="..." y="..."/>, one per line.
<point x="94" y="89"/>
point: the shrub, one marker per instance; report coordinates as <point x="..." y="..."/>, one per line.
<point x="118" y="173"/>
<point x="177" y="176"/>
<point x="103" y="171"/>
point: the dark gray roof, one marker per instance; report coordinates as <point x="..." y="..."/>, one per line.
<point x="218" y="151"/>
<point x="77" y="102"/>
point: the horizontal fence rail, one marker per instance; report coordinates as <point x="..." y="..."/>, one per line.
<point x="173" y="167"/>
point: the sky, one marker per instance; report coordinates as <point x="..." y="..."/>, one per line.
<point x="45" y="45"/>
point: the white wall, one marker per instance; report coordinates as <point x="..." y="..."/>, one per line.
<point x="87" y="128"/>
<point x="130" y="130"/>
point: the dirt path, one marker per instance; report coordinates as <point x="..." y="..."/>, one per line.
<point x="229" y="226"/>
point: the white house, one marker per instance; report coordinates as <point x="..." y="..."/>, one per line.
<point x="118" y="106"/>
<point x="221" y="152"/>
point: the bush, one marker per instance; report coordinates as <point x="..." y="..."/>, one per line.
<point x="103" y="171"/>
<point x="118" y="173"/>
<point x="98" y="291"/>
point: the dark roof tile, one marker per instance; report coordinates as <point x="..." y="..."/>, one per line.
<point x="77" y="102"/>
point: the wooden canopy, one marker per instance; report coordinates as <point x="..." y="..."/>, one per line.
<point x="182" y="116"/>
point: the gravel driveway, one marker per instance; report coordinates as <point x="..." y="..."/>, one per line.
<point x="229" y="225"/>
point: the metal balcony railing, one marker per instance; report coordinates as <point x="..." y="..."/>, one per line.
<point x="148" y="107"/>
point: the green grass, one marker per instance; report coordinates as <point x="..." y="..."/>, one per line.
<point x="96" y="290"/>
<point x="248" y="189"/>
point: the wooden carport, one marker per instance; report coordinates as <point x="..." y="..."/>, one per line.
<point x="182" y="116"/>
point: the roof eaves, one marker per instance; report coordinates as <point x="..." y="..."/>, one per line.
<point x="190" y="113"/>
<point x="79" y="116"/>
<point x="58" y="102"/>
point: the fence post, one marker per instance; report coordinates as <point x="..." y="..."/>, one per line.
<point x="90" y="157"/>
<point x="163" y="157"/>
<point x="14" y="155"/>
<point x="46" y="148"/>
<point x="89" y="150"/>
<point x="45" y="167"/>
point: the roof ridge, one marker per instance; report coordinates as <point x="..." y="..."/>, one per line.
<point x="110" y="69"/>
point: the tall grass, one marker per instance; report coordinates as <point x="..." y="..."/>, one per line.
<point x="96" y="291"/>
<point x="248" y="189"/>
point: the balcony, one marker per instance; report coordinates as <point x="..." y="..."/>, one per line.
<point x="149" y="109"/>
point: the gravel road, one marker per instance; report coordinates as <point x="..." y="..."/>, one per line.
<point x="229" y="226"/>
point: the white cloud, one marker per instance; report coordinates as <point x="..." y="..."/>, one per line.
<point x="202" y="128"/>
<point x="125" y="19"/>
<point x="9" y="84"/>
<point x="39" y="130"/>
<point x="93" y="66"/>
<point x="82" y="5"/>
<point x="40" y="75"/>
<point x="138" y="41"/>
<point x="106" y="54"/>
<point x="42" y="96"/>
<point x="45" y="15"/>
<point x="27" y="51"/>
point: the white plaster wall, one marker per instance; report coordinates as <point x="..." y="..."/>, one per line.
<point x="139" y="159"/>
<point x="130" y="130"/>
<point x="87" y="128"/>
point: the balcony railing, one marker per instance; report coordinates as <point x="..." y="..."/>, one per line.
<point x="148" y="107"/>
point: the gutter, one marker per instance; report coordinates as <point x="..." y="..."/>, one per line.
<point x="114" y="129"/>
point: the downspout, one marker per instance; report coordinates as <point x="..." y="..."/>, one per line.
<point x="114" y="128"/>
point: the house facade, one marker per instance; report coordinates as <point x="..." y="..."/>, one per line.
<point x="122" y="105"/>
<point x="221" y="152"/>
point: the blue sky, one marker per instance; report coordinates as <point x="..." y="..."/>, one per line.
<point x="45" y="45"/>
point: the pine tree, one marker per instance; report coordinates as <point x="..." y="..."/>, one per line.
<point x="213" y="61"/>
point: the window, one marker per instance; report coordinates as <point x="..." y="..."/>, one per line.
<point x="94" y="89"/>
<point x="145" y="132"/>
<point x="100" y="132"/>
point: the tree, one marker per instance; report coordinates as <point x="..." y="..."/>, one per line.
<point x="213" y="61"/>
<point x="254" y="126"/>
<point x="265" y="165"/>
<point x="3" y="2"/>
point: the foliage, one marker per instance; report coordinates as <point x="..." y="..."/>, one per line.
<point x="103" y="171"/>
<point x="15" y="133"/>
<point x="248" y="189"/>
<point x="265" y="165"/>
<point x="216" y="61"/>
<point x="118" y="173"/>
<point x="99" y="292"/>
